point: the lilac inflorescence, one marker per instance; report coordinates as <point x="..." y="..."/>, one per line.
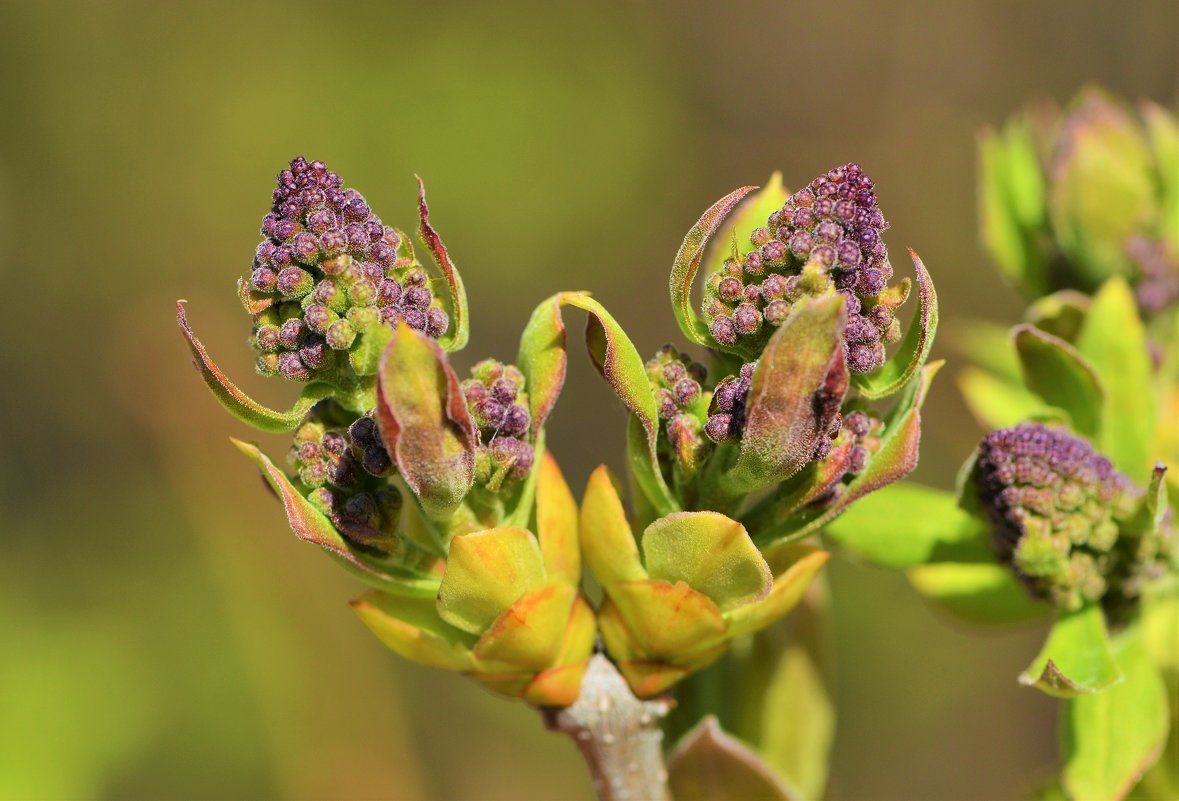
<point x="826" y="235"/>
<point x="1157" y="288"/>
<point x="326" y="271"/>
<point x="499" y="406"/>
<point x="1054" y="505"/>
<point x="337" y="471"/>
<point x="678" y="384"/>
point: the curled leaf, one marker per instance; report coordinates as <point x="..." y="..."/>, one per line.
<point x="424" y="421"/>
<point x="895" y="373"/>
<point x="456" y="337"/>
<point x="310" y="525"/>
<point x="238" y="403"/>
<point x="1058" y="373"/>
<point x="687" y="262"/>
<point x="1076" y="659"/>
<point x="543" y="359"/>
<point x="709" y="765"/>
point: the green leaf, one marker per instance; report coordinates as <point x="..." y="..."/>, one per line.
<point x="980" y="592"/>
<point x="1077" y="659"/>
<point x="365" y="355"/>
<point x="711" y="553"/>
<point x="667" y="620"/>
<point x="645" y="470"/>
<point x="607" y="544"/>
<point x="543" y="359"/>
<point x="1111" y="738"/>
<point x="556" y="523"/>
<point x="987" y="345"/>
<point x="906" y="524"/>
<point x="687" y="262"/>
<point x="709" y="765"/>
<point x="310" y="525"/>
<point x="895" y="373"/>
<point x="1059" y="374"/>
<point x="795" y="566"/>
<point x="411" y="628"/>
<point x="487" y="572"/>
<point x="456" y="337"/>
<point x="1060" y="314"/>
<point x="752" y="212"/>
<point x="1163" y="133"/>
<point x="238" y="403"/>
<point x="896" y="458"/>
<point x="1000" y="403"/>
<point x="783" y="421"/>
<point x="424" y="421"/>
<point x="1113" y="340"/>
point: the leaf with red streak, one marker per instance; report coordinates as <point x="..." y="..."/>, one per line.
<point x="238" y="403"/>
<point x="456" y="337"/>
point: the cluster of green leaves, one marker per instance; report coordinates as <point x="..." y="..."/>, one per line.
<point x="1060" y="200"/>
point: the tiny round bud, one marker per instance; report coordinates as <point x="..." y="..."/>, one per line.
<point x="747" y="319"/>
<point x="881" y="316"/>
<point x="822" y="449"/>
<point x="437" y="321"/>
<point x="291" y="334"/>
<point x="340" y="335"/>
<point x="388" y="291"/>
<point x="773" y="253"/>
<point x="418" y="296"/>
<point x="333" y="242"/>
<point x="723" y="331"/>
<point x="516" y="421"/>
<point x="773" y="287"/>
<point x="266" y="337"/>
<point x="673" y="371"/>
<point x="717" y="427"/>
<point x="759" y="237"/>
<point x="857" y="459"/>
<point x="363" y="293"/>
<point x="800" y="244"/>
<point x="319" y="317"/>
<point x="264" y="279"/>
<point x="416" y="277"/>
<point x="686" y="390"/>
<point x="730" y="289"/>
<point x="315" y="353"/>
<point x="871" y="282"/>
<point x="292" y="367"/>
<point x="753" y="263"/>
<point x="488" y="413"/>
<point x="776" y="312"/>
<point x="306" y="248"/>
<point x="294" y="282"/>
<point x="824" y="256"/>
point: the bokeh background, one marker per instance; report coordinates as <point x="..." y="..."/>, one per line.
<point x="161" y="634"/>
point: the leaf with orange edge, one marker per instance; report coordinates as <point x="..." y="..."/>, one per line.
<point x="411" y="628"/>
<point x="795" y="566"/>
<point x="556" y="523"/>
<point x="668" y="619"/>
<point x="530" y="632"/>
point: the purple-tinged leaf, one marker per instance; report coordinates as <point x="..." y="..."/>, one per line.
<point x="895" y="459"/>
<point x="424" y="421"/>
<point x="238" y="403"/>
<point x="253" y="302"/>
<point x="914" y="350"/>
<point x="798" y="386"/>
<point x="543" y="359"/>
<point x="687" y="262"/>
<point x="460" y="324"/>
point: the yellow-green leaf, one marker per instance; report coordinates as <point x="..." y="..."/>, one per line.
<point x="412" y="628"/>
<point x="607" y="543"/>
<point x="1058" y="373"/>
<point x="486" y="573"/>
<point x="1076" y="659"/>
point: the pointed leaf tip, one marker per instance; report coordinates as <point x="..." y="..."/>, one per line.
<point x="238" y="403"/>
<point x="456" y="338"/>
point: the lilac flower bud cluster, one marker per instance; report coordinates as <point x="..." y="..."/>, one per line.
<point x="326" y="461"/>
<point x="677" y="382"/>
<point x="326" y="271"/>
<point x="826" y="235"/>
<point x="863" y="429"/>
<point x="1054" y="505"/>
<point x="498" y="405"/>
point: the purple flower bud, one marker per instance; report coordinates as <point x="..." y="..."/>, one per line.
<point x="864" y="358"/>
<point x="306" y="248"/>
<point x="437" y="322"/>
<point x="291" y="333"/>
<point x="285" y="229"/>
<point x="747" y="319"/>
<point x="730" y="289"/>
<point x="516" y="421"/>
<point x="294" y="282"/>
<point x="753" y="263"/>
<point x="759" y="237"/>
<point x="266" y="337"/>
<point x="776" y="312"/>
<point x="319" y="317"/>
<point x="264" y="279"/>
<point x="264" y="252"/>
<point x="315" y="353"/>
<point x="772" y="253"/>
<point x="292" y="367"/>
<point x="723" y="330"/>
<point x="418" y="296"/>
<point x="362" y="293"/>
<point x="881" y="316"/>
<point x="686" y="390"/>
<point x="857" y="459"/>
<point x="800" y="244"/>
<point x="415" y="318"/>
<point x="871" y="283"/>
<point x="333" y="242"/>
<point x="357" y="238"/>
<point x="356" y="210"/>
<point x="858" y="423"/>
<point x="717" y="427"/>
<point x="773" y="287"/>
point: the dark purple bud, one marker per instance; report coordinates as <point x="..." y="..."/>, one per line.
<point x="281" y="257"/>
<point x="383" y="254"/>
<point x="686" y="390"/>
<point x="865" y="358"/>
<point x="437" y="321"/>
<point x="516" y="421"/>
<point x="333" y="242"/>
<point x="418" y="296"/>
<point x="673" y="371"/>
<point x="871" y="282"/>
<point x="356" y="210"/>
<point x="717" y="427"/>
<point x="800" y="244"/>
<point x="860" y="331"/>
<point x="416" y="277"/>
<point x="292" y="367"/>
<point x="315" y="353"/>
<point x="747" y="319"/>
<point x="388" y="291"/>
<point x="804" y="219"/>
<point x="264" y="252"/>
<point x="306" y="248"/>
<point x="270" y="225"/>
<point x="488" y="413"/>
<point x="357" y="238"/>
<point x="881" y="316"/>
<point x="285" y="229"/>
<point x="414" y="317"/>
<point x="773" y="253"/>
<point x="335" y="443"/>
<point x="848" y="253"/>
<point x="292" y="332"/>
<point x="264" y="279"/>
<point x="824" y="256"/>
<point x="858" y="424"/>
<point x="504" y="390"/>
<point x="822" y="449"/>
<point x="828" y="231"/>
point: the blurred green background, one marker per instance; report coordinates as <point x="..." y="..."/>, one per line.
<point x="161" y="634"/>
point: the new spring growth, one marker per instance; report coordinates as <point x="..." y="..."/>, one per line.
<point x="499" y="406"/>
<point x="1062" y="517"/>
<point x="326" y="274"/>
<point x="682" y="401"/>
<point x="826" y="235"/>
<point x="1070" y="199"/>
